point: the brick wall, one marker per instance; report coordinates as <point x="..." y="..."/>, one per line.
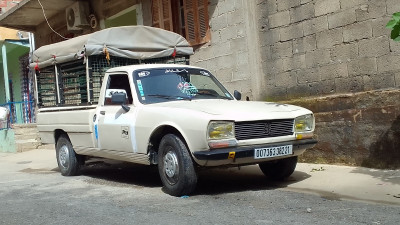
<point x="322" y="47"/>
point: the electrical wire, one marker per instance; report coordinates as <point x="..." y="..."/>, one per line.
<point x="49" y="23"/>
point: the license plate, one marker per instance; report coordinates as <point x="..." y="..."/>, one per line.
<point x="262" y="153"/>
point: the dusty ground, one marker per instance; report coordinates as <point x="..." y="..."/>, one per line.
<point x="33" y="192"/>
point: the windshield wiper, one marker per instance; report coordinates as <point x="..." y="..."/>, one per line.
<point x="224" y="97"/>
<point x="213" y="95"/>
<point x="169" y="97"/>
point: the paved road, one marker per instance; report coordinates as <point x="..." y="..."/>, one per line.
<point x="33" y="192"/>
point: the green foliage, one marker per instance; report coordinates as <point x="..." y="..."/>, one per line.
<point x="394" y="25"/>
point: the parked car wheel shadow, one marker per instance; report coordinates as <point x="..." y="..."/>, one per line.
<point x="211" y="181"/>
<point x="222" y="180"/>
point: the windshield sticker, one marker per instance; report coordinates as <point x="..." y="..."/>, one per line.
<point x="187" y="88"/>
<point x="204" y="73"/>
<point x="140" y="87"/>
<point x="143" y="74"/>
<point x="176" y="71"/>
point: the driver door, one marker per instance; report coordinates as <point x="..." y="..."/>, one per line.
<point x="116" y="125"/>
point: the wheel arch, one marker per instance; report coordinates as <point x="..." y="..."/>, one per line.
<point x="175" y="164"/>
<point x="58" y="133"/>
<point x="159" y="133"/>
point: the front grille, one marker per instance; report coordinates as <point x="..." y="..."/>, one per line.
<point x="263" y="129"/>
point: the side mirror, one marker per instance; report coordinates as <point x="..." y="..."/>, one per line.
<point x="118" y="98"/>
<point x="237" y="95"/>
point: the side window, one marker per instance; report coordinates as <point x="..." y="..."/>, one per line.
<point x="188" y="18"/>
<point x="118" y="81"/>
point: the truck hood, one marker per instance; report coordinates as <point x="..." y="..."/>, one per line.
<point x="239" y="110"/>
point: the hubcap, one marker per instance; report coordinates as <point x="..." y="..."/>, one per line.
<point x="63" y="156"/>
<point x="171" y="167"/>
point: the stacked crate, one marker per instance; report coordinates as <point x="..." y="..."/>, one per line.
<point x="98" y="65"/>
<point x="80" y="85"/>
<point x="73" y="83"/>
<point x="46" y="85"/>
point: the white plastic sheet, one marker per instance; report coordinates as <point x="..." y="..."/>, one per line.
<point x="136" y="42"/>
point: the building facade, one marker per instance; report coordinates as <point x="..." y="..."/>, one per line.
<point x="332" y="56"/>
<point x="15" y="84"/>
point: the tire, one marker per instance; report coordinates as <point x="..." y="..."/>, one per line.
<point x="279" y="169"/>
<point x="68" y="161"/>
<point x="175" y="166"/>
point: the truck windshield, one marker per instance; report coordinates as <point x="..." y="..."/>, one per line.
<point x="174" y="84"/>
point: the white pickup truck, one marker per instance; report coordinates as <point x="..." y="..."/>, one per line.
<point x="155" y="112"/>
<point x="180" y="118"/>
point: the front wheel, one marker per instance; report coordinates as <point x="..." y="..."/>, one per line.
<point x="279" y="169"/>
<point x="67" y="159"/>
<point x="175" y="166"/>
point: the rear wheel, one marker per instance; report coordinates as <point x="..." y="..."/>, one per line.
<point x="279" y="169"/>
<point x="68" y="161"/>
<point x="175" y="166"/>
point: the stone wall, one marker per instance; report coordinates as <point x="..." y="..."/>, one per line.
<point x="323" y="47"/>
<point x="361" y="129"/>
<point x="26" y="137"/>
<point x="335" y="57"/>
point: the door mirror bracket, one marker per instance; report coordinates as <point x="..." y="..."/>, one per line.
<point x="120" y="98"/>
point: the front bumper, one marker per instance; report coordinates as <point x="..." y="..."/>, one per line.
<point x="245" y="154"/>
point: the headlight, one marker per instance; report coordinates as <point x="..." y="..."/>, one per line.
<point x="220" y="130"/>
<point x="304" y="124"/>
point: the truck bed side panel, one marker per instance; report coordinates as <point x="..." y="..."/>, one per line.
<point x="78" y="124"/>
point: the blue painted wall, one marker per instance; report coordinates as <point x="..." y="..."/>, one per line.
<point x="7" y="141"/>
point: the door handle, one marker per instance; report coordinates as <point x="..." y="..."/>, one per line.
<point x="103" y="112"/>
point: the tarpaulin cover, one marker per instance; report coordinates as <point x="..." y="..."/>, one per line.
<point x="136" y="42"/>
